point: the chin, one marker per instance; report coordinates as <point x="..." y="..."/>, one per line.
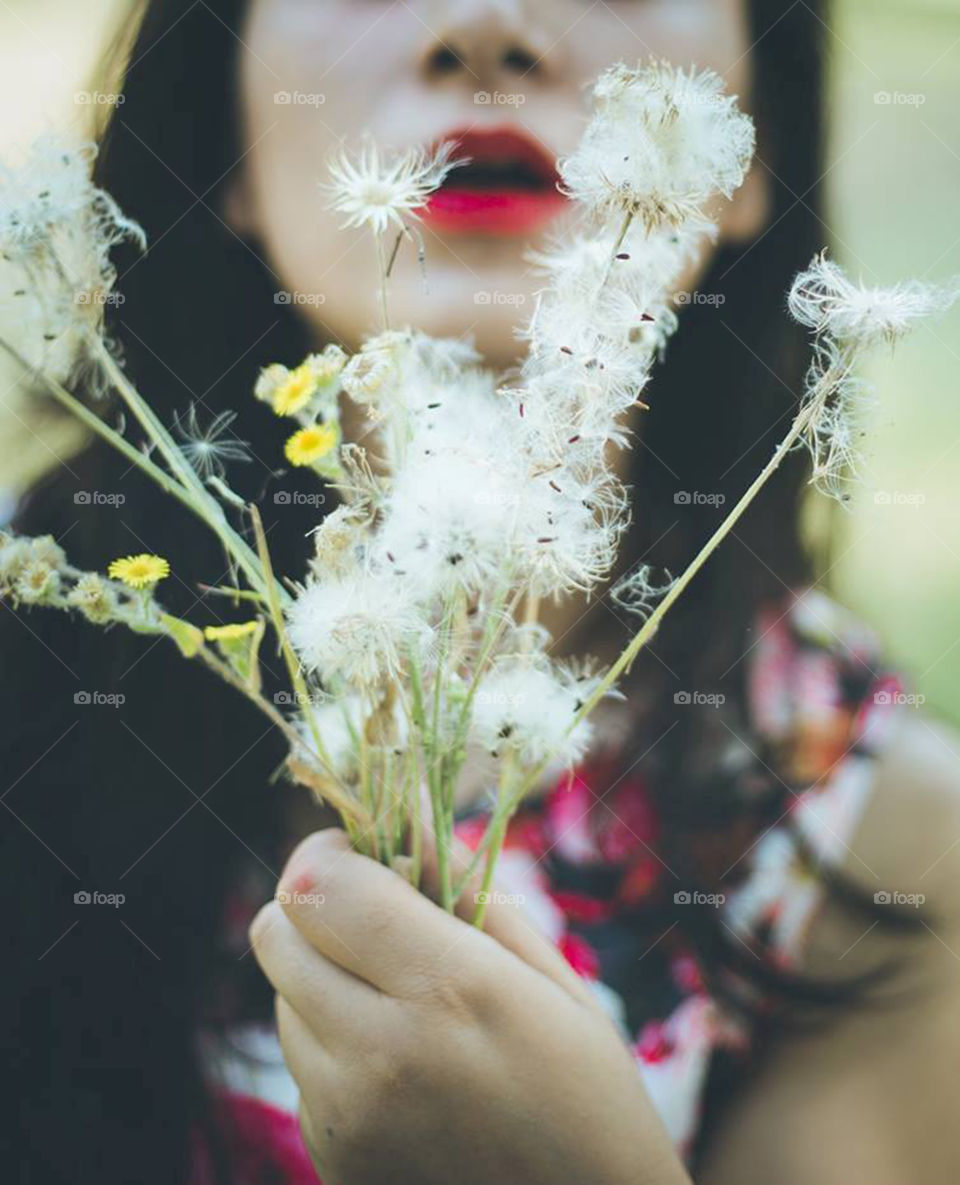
<point x="488" y="304"/>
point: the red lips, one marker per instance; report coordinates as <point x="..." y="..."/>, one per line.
<point x="509" y="186"/>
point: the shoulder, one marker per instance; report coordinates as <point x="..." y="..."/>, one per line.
<point x="870" y="1094"/>
<point x="905" y="855"/>
<point x="912" y="828"/>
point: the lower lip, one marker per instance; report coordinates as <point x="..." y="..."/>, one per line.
<point x="492" y="212"/>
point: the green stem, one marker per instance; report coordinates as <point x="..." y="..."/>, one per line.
<point x="801" y="423"/>
<point x="290" y="659"/>
<point x="382" y="269"/>
<point x="204" y="504"/>
<point x="92" y="421"/>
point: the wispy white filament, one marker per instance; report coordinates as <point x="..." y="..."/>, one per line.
<point x="57" y="230"/>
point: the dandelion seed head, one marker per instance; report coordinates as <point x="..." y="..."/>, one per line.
<point x="209" y="449"/>
<point x="356" y="630"/>
<point x="825" y="300"/>
<point x="377" y="190"/>
<point x="525" y="705"/>
<point x="661" y="143"/>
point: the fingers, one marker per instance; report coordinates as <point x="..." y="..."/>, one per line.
<point x="505" y="921"/>
<point x="370" y="921"/>
<point x="334" y="1003"/>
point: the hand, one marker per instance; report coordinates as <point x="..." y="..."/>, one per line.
<point x="429" y="1052"/>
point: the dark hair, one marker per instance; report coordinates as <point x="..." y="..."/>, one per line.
<point x="166" y="798"/>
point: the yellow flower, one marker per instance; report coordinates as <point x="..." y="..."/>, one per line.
<point x="139" y="571"/>
<point x="296" y="391"/>
<point x="230" y="633"/>
<point x="311" y="444"/>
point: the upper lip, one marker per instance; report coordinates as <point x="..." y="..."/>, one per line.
<point x="500" y="158"/>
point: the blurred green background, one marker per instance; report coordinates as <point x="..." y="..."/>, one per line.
<point x="894" y="184"/>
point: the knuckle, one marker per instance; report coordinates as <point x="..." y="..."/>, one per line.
<point x="464" y="993"/>
<point x="263" y="922"/>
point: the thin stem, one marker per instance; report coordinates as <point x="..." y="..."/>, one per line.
<point x="382" y="272"/>
<point x="805" y="417"/>
<point x="292" y="663"/>
<point x="205" y="505"/>
<point x="91" y="420"/>
<point x="393" y="255"/>
<point x="627" y="221"/>
<point x="497" y="830"/>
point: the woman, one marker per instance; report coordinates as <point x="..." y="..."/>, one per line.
<point x="718" y="874"/>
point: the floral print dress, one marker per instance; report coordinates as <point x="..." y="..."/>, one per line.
<point x="587" y="879"/>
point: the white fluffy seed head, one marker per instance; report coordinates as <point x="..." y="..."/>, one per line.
<point x="379" y="191"/>
<point x="661" y="143"/>
<point x="57" y="230"/>
<point x="527" y="707"/>
<point x="825" y="300"/>
<point x="356" y="631"/>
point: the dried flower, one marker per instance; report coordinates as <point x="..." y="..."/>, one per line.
<point x="338" y="542"/>
<point x="56" y="233"/>
<point x="95" y="599"/>
<point x="828" y="302"/>
<point x="846" y="319"/>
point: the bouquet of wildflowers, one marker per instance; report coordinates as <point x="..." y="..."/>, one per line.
<point x="412" y="637"/>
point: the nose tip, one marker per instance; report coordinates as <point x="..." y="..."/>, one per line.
<point x="447" y="58"/>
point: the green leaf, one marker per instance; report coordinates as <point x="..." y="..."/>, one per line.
<point x="188" y="638"/>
